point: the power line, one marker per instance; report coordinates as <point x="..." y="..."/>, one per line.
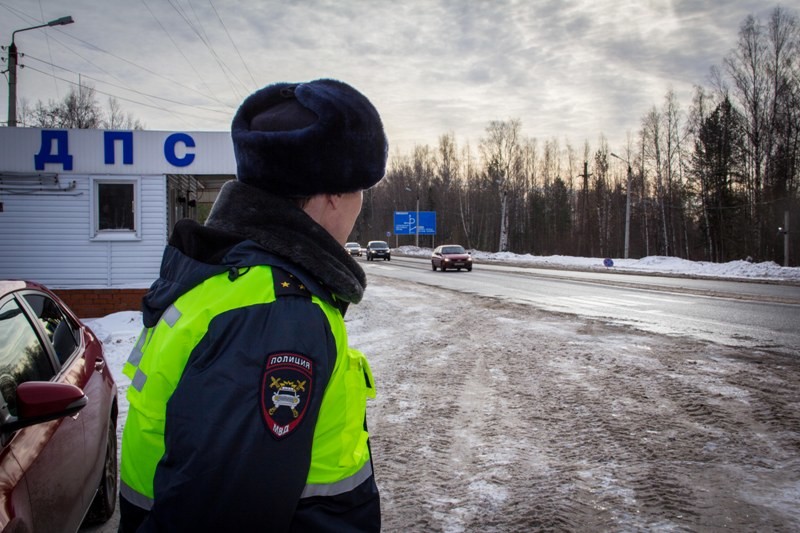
<point x="102" y="70"/>
<point x="116" y="96"/>
<point x="49" y="49"/>
<point x="210" y="48"/>
<point x="28" y="56"/>
<point x="255" y="83"/>
<point x="175" y="45"/>
<point x="29" y="19"/>
<point x="149" y="71"/>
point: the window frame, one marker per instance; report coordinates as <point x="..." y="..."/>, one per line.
<point x="59" y="367"/>
<point x="41" y="336"/>
<point x="97" y="234"/>
<point x="49" y="339"/>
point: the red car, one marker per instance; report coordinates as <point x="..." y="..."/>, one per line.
<point x="451" y="256"/>
<point x="58" y="416"/>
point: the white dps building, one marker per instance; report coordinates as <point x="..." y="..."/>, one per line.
<point x="88" y="212"/>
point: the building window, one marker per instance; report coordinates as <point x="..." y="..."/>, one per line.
<point x="115" y="208"/>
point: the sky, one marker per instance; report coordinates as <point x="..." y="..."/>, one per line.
<point x="571" y="70"/>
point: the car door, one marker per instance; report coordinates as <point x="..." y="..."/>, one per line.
<point x="50" y="457"/>
<point x="436" y="257"/>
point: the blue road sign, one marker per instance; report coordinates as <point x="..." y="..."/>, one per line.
<point x="405" y="222"/>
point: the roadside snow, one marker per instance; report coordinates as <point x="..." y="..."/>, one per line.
<point x="657" y="263"/>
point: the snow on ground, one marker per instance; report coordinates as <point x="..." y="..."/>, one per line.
<point x="502" y="418"/>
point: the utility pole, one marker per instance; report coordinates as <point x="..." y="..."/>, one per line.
<point x="12" y="67"/>
<point x="585" y="211"/>
<point x="12" y="84"/>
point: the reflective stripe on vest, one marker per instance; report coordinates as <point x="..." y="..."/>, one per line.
<point x="339" y="487"/>
<point x="136" y="498"/>
<point x="340" y="458"/>
<point x="136" y="352"/>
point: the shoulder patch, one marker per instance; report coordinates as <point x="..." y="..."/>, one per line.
<point x="288" y="284"/>
<point x="286" y="388"/>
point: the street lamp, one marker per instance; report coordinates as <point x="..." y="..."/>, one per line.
<point x="416" y="221"/>
<point x="12" y="67"/>
<point x="627" y="205"/>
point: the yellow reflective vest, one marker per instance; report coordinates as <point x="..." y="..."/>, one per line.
<point x="246" y="384"/>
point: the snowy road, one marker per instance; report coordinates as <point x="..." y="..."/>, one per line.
<point x="497" y="417"/>
<point x="759" y="316"/>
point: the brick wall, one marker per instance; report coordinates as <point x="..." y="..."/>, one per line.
<point x="95" y="303"/>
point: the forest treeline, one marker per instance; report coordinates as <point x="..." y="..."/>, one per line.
<point x="715" y="182"/>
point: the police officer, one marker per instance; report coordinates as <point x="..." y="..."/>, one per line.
<point x="246" y="405"/>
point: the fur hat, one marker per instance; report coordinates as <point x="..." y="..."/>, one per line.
<point x="301" y="139"/>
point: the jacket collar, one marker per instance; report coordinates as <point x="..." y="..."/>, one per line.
<point x="282" y="228"/>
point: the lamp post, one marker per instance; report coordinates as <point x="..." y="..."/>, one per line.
<point x="627" y="205"/>
<point x="416" y="221"/>
<point x="12" y="67"/>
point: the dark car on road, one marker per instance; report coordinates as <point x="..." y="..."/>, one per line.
<point x="58" y="416"/>
<point x="353" y="248"/>
<point x="448" y="256"/>
<point x="379" y="250"/>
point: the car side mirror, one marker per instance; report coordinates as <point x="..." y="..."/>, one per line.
<point x="43" y="401"/>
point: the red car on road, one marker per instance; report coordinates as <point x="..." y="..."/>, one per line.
<point x="451" y="256"/>
<point x="58" y="416"/>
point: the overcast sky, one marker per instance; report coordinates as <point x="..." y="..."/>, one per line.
<point x="568" y="69"/>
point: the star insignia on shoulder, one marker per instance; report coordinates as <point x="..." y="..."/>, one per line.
<point x="288" y="284"/>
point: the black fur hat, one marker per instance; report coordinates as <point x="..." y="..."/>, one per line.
<point x="301" y="139"/>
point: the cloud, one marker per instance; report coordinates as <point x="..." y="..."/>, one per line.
<point x="572" y="69"/>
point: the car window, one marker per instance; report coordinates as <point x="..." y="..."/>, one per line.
<point x="22" y="356"/>
<point x="453" y="250"/>
<point x="60" y="331"/>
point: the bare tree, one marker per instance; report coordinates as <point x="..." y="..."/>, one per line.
<point x="653" y="144"/>
<point x="673" y="171"/>
<point x="45" y="116"/>
<point x="79" y="110"/>
<point x="467" y="212"/>
<point x="117" y="119"/>
<point x="501" y="153"/>
<point x="745" y="65"/>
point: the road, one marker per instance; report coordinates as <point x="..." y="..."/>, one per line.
<point x="754" y="315"/>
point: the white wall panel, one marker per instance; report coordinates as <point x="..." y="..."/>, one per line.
<point x="47" y="239"/>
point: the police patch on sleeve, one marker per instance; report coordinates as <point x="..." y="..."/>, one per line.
<point x="285" y="391"/>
